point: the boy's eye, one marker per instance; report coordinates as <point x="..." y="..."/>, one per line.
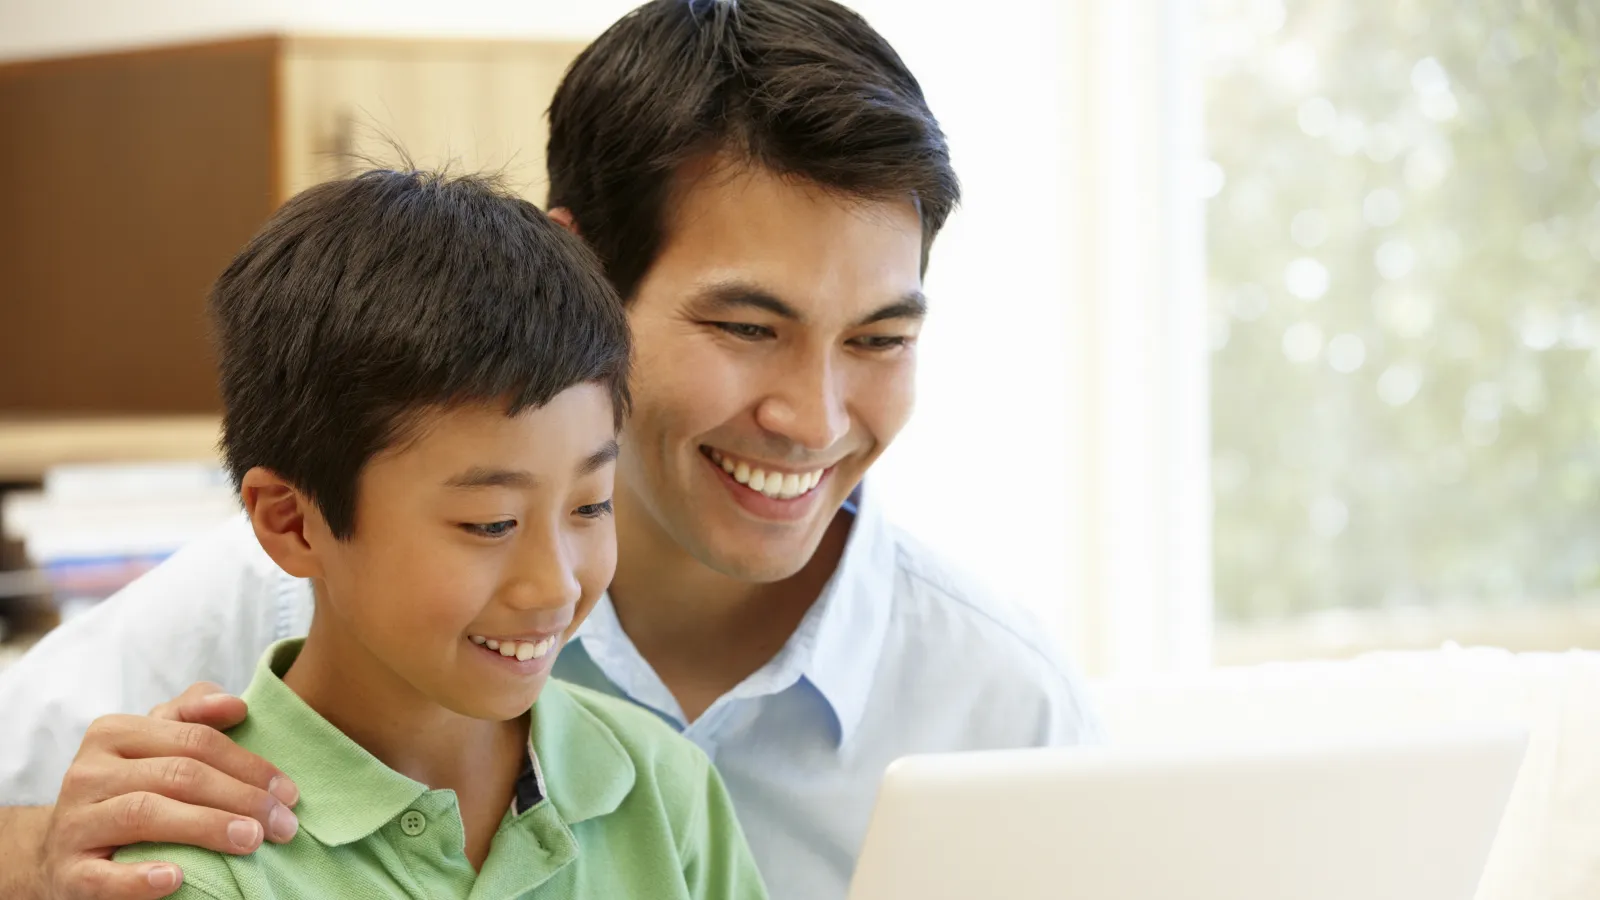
<point x="595" y="510"/>
<point x="491" y="529"/>
<point x="745" y="330"/>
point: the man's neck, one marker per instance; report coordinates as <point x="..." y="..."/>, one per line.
<point x="703" y="632"/>
<point x="410" y="733"/>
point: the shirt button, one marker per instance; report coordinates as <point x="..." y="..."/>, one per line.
<point x="413" y="823"/>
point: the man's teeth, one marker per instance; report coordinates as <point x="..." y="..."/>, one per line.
<point x="522" y="650"/>
<point x="779" y="485"/>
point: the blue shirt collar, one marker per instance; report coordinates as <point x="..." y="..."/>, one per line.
<point x="836" y="648"/>
<point x="840" y="641"/>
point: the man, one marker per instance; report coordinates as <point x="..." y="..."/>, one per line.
<point x="762" y="181"/>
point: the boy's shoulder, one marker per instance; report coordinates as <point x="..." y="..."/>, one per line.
<point x="207" y="874"/>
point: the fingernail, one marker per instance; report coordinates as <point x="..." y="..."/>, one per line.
<point x="162" y="878"/>
<point x="244" y="833"/>
<point x="283" y="825"/>
<point x="218" y="696"/>
<point x="284" y="789"/>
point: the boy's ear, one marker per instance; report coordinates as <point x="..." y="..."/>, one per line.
<point x="281" y="514"/>
<point x="563" y="217"/>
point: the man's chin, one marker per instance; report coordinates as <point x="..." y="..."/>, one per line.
<point x="766" y="562"/>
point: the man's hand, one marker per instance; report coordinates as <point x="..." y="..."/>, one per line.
<point x="170" y="777"/>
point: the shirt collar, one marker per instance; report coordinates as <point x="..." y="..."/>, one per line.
<point x="836" y="646"/>
<point x="346" y="793"/>
<point x="840" y="641"/>
<point x="587" y="772"/>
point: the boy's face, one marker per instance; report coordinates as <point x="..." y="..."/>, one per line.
<point x="482" y="527"/>
<point x="774" y="332"/>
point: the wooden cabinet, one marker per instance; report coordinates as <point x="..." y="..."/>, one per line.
<point x="127" y="181"/>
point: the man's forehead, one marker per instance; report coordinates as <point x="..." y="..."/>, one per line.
<point x="742" y="235"/>
<point x="718" y="193"/>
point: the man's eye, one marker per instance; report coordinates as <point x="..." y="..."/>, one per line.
<point x="491" y="529"/>
<point x="882" y="342"/>
<point x="745" y="330"/>
<point x="595" y="510"/>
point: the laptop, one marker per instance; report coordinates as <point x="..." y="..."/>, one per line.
<point x="1398" y="818"/>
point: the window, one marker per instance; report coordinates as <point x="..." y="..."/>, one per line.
<point x="1403" y="256"/>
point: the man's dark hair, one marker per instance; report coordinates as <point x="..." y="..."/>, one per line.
<point x="801" y="88"/>
<point x="364" y="302"/>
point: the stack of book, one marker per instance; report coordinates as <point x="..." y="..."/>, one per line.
<point x="93" y="528"/>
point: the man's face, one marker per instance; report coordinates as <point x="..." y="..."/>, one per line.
<point x="483" y="527"/>
<point x="775" y="338"/>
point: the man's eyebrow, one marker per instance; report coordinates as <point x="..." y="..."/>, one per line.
<point x="485" y="477"/>
<point x="731" y="295"/>
<point x="598" y="459"/>
<point x="912" y="306"/>
<point x="735" y="295"/>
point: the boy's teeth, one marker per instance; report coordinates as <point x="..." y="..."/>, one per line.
<point x="527" y="650"/>
<point x="521" y="650"/>
<point x="782" y="485"/>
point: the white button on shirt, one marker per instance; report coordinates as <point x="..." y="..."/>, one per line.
<point x="897" y="656"/>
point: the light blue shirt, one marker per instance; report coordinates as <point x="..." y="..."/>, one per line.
<point x="898" y="656"/>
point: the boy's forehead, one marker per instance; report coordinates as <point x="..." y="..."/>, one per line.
<point x="484" y="443"/>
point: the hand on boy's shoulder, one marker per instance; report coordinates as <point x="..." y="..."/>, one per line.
<point x="206" y="875"/>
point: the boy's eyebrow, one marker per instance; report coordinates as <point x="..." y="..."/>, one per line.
<point x="598" y="459"/>
<point x="485" y="477"/>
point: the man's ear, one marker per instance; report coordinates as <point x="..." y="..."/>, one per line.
<point x="563" y="217"/>
<point x="281" y="515"/>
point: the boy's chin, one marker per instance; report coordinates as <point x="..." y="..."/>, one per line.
<point x="504" y="706"/>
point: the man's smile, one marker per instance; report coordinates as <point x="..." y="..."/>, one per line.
<point x="766" y="479"/>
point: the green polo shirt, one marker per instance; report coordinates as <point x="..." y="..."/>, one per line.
<point x="630" y="809"/>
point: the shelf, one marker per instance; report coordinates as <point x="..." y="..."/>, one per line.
<point x="31" y="445"/>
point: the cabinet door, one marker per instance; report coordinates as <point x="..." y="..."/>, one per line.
<point x="472" y="105"/>
<point x="127" y="182"/>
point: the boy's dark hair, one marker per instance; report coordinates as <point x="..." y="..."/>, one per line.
<point x="363" y="302"/>
<point x="801" y="88"/>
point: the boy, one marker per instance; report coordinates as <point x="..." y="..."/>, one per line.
<point x="423" y="379"/>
